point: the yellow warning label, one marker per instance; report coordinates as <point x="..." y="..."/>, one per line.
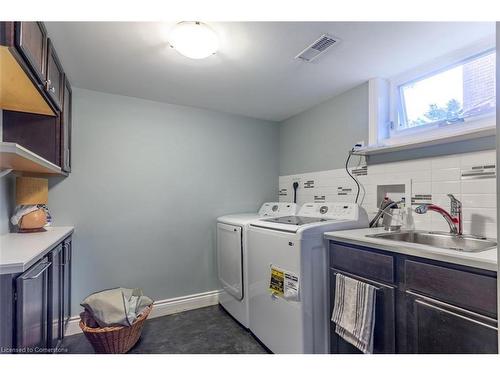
<point x="277" y="282"/>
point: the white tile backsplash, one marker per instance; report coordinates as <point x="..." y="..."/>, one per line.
<point x="477" y="158"/>
<point x="447" y="174"/>
<point x="421" y="188"/>
<point x="479" y="200"/>
<point x="436" y="176"/>
<point x="479" y="186"/>
<point x="446" y="187"/>
<point x="486" y="215"/>
<point x="444" y="162"/>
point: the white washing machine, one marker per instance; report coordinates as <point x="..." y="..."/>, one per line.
<point x="288" y="270"/>
<point x="232" y="257"/>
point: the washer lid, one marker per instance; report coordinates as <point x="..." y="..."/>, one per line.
<point x="295" y="220"/>
<point x="238" y="219"/>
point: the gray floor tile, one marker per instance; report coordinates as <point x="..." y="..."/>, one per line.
<point x="209" y="330"/>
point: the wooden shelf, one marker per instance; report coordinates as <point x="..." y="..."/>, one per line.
<point x="17" y="92"/>
<point x="18" y="158"/>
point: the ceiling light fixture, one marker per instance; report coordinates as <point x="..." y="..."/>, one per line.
<point x="194" y="40"/>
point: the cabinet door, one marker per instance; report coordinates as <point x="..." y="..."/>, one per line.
<point x="55" y="296"/>
<point x="55" y="76"/>
<point x="32" y="307"/>
<point x="384" y="331"/>
<point x="435" y="327"/>
<point x="31" y="41"/>
<point x="66" y="127"/>
<point x="66" y="282"/>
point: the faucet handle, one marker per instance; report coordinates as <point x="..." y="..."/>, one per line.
<point x="456" y="205"/>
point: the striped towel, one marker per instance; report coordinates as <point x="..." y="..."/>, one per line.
<point x="354" y="312"/>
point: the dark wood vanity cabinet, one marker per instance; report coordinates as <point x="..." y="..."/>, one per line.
<point x="36" y="304"/>
<point x="422" y="306"/>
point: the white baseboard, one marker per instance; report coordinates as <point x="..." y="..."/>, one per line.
<point x="163" y="307"/>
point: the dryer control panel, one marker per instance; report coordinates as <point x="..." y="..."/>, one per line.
<point x="331" y="210"/>
<point x="278" y="209"/>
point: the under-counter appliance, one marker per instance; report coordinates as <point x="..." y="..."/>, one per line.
<point x="232" y="256"/>
<point x="287" y="261"/>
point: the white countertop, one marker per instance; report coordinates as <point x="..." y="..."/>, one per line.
<point x="485" y="260"/>
<point x="19" y="251"/>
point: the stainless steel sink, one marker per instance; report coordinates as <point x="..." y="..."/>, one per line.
<point x="471" y="244"/>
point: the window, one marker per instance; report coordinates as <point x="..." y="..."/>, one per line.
<point x="452" y="96"/>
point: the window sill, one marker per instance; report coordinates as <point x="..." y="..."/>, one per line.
<point x="457" y="137"/>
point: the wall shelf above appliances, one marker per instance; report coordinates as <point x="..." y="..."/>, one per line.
<point x="20" y="159"/>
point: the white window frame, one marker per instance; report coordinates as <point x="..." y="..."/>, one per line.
<point x="385" y="99"/>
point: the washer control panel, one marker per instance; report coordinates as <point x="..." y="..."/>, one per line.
<point x="278" y="209"/>
<point x="330" y="210"/>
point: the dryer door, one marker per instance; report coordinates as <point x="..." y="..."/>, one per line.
<point x="230" y="259"/>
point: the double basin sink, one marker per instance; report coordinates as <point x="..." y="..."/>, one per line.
<point x="465" y="243"/>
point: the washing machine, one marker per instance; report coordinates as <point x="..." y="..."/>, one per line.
<point x="232" y="257"/>
<point x="288" y="275"/>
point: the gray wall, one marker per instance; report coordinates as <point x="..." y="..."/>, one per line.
<point x="148" y="181"/>
<point x="319" y="138"/>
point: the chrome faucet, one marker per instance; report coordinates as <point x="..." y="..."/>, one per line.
<point x="453" y="218"/>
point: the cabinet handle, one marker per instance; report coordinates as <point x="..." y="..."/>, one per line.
<point x="457" y="315"/>
<point x="446" y="306"/>
<point x="47" y="265"/>
<point x="67" y="253"/>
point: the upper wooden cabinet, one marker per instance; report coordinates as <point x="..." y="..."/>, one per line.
<point x="32" y="76"/>
<point x="31" y="41"/>
<point x="35" y="95"/>
<point x="55" y="77"/>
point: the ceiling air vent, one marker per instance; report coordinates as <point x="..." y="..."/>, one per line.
<point x="319" y="47"/>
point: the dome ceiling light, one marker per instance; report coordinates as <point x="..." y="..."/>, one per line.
<point x="194" y="40"/>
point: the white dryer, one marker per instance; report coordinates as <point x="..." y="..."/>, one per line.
<point x="288" y="271"/>
<point x="232" y="257"/>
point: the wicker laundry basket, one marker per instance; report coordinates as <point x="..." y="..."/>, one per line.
<point x="115" y="340"/>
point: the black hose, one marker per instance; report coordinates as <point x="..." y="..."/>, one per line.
<point x="349" y="173"/>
